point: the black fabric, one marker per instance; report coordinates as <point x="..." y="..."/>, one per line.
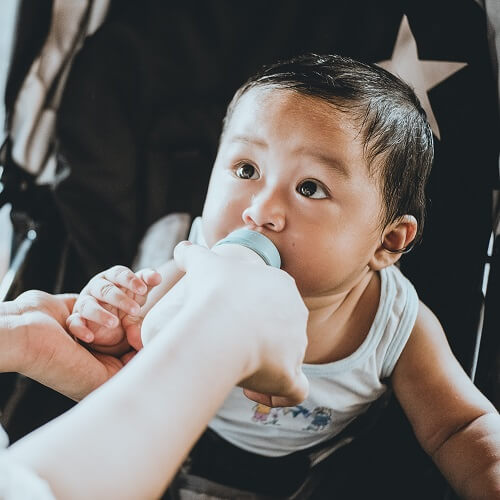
<point x="218" y="460"/>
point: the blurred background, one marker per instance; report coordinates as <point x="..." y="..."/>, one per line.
<point x="7" y="23"/>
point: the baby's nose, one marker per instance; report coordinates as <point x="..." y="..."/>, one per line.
<point x="266" y="213"/>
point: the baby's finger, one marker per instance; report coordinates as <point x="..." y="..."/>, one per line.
<point x="150" y="277"/>
<point x="77" y="326"/>
<point x="90" y="309"/>
<point x="109" y="293"/>
<point x="123" y="276"/>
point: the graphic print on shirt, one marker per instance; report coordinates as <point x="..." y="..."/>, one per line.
<point x="315" y="420"/>
<point x="264" y="414"/>
<point x="296" y="410"/>
<point x="321" y="417"/>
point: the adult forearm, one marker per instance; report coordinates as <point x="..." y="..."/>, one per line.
<point x="129" y="437"/>
<point x="470" y="459"/>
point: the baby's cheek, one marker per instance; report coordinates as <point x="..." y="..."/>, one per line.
<point x="214" y="229"/>
<point x="312" y="273"/>
<point x="207" y="229"/>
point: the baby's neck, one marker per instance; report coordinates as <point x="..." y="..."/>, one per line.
<point x="338" y="323"/>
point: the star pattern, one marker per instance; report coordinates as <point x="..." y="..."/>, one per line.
<point x="421" y="75"/>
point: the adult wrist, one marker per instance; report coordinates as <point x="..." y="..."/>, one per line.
<point x="13" y="351"/>
<point x="10" y="308"/>
<point x="206" y="332"/>
<point x="241" y="342"/>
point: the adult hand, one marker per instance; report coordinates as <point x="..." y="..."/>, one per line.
<point x="254" y="305"/>
<point x="36" y="344"/>
<point x="239" y="322"/>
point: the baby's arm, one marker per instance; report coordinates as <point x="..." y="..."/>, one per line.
<point x="455" y="424"/>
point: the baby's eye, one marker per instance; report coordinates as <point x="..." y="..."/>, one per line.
<point x="311" y="189"/>
<point x="247" y="171"/>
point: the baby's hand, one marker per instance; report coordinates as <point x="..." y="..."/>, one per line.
<point x="108" y="311"/>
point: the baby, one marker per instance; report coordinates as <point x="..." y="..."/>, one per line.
<point x="328" y="157"/>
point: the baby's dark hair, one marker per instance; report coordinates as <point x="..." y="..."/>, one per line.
<point x="392" y="122"/>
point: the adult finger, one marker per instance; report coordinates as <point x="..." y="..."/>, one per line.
<point x="293" y="396"/>
<point x="296" y="395"/>
<point x="128" y="356"/>
<point x="186" y="254"/>
<point x="258" y="397"/>
<point x="77" y="326"/>
<point x="68" y="299"/>
<point x="132" y="327"/>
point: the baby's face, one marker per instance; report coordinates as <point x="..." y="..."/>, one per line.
<point x="292" y="167"/>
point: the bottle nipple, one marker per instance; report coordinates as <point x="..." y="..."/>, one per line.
<point x="255" y="241"/>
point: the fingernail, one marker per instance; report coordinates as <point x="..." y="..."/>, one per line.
<point x="135" y="309"/>
<point x="141" y="289"/>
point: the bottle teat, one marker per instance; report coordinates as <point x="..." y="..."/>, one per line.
<point x="255" y="241"/>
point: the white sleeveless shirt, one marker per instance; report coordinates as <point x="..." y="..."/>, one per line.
<point x="339" y="391"/>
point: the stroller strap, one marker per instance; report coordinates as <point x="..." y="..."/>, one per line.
<point x="34" y="114"/>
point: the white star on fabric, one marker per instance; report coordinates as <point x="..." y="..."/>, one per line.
<point x="421" y="75"/>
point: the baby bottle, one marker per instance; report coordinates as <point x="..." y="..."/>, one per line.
<point x="243" y="244"/>
<point x="246" y="244"/>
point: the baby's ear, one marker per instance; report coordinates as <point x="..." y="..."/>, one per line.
<point x="397" y="238"/>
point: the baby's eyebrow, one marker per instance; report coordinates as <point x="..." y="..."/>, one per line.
<point x="330" y="162"/>
<point x="246" y="139"/>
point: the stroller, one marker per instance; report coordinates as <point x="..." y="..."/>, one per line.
<point x="132" y="116"/>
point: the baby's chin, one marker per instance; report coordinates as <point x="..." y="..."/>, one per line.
<point x="304" y="287"/>
<point x="307" y="282"/>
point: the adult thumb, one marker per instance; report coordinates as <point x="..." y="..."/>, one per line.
<point x="186" y="254"/>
